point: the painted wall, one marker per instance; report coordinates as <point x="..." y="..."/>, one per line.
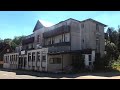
<point x="58" y="67"/>
<point x="75" y="35"/>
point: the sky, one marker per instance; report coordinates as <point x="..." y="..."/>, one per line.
<point x="17" y="23"/>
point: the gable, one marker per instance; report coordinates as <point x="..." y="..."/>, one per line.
<point x="38" y="26"/>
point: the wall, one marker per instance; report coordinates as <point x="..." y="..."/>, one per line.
<point x="58" y="67"/>
<point x="75" y="35"/>
<point x="89" y="36"/>
<point x="40" y="33"/>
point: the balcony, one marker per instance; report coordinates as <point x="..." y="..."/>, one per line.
<point x="59" y="49"/>
<point x="56" y="31"/>
<point x="59" y="44"/>
<point x="27" y="41"/>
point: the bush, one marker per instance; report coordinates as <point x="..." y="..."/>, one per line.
<point x="102" y="63"/>
<point x="78" y="64"/>
<point x="116" y="64"/>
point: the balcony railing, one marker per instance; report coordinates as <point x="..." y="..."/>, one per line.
<point x="27" y="41"/>
<point x="59" y="49"/>
<point x="56" y="31"/>
<point x="58" y="44"/>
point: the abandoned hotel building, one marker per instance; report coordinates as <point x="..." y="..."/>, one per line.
<point x="56" y="47"/>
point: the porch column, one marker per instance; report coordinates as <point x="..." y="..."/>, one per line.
<point x="86" y="60"/>
<point x="93" y="55"/>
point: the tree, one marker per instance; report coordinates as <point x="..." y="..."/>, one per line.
<point x="1" y="40"/>
<point x="7" y="40"/>
<point x="118" y="38"/>
<point x="18" y="39"/>
<point x="109" y="32"/>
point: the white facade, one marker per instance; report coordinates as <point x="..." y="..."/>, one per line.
<point x="34" y="60"/>
<point x="11" y="61"/>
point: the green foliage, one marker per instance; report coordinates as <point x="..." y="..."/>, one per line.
<point x="102" y="63"/>
<point x="116" y="63"/>
<point x="13" y="42"/>
<point x="112" y="50"/>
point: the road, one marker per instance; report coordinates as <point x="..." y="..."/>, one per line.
<point x="36" y="75"/>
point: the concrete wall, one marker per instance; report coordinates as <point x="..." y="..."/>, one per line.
<point x="89" y="36"/>
<point x="75" y="35"/>
<point x="58" y="67"/>
<point x="102" y="40"/>
<point x="40" y="33"/>
<point x="54" y="67"/>
<point x="11" y="63"/>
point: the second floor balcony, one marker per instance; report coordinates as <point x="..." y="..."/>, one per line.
<point x="28" y="40"/>
<point x="57" y="31"/>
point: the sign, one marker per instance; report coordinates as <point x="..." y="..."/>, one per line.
<point x="22" y="52"/>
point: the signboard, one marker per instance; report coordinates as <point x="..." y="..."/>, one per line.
<point x="22" y="52"/>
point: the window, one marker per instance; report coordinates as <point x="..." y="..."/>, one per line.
<point x="66" y="39"/>
<point x="38" y="56"/>
<point x="43" y="58"/>
<point x="51" y="61"/>
<point x="7" y="59"/>
<point x="49" y="42"/>
<point x="58" y="61"/>
<point x="52" y="40"/>
<point x="38" y="37"/>
<point x="89" y="57"/>
<point x="97" y="27"/>
<point x="25" y="61"/>
<point x="29" y="57"/>
<point x="83" y="40"/>
<point x="55" y="61"/>
<point x="82" y="25"/>
<point x="33" y="56"/>
<point x="60" y="40"/>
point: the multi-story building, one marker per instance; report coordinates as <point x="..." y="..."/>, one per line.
<point x="66" y="41"/>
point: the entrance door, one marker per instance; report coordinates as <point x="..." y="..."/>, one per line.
<point x="20" y="63"/>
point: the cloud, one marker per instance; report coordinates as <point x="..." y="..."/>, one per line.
<point x="46" y="23"/>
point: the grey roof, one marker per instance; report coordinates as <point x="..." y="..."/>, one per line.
<point x="94" y="21"/>
<point x="38" y="26"/>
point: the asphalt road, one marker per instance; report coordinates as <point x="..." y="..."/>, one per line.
<point x="9" y="74"/>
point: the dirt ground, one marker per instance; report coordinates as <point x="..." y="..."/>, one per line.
<point x="10" y="74"/>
